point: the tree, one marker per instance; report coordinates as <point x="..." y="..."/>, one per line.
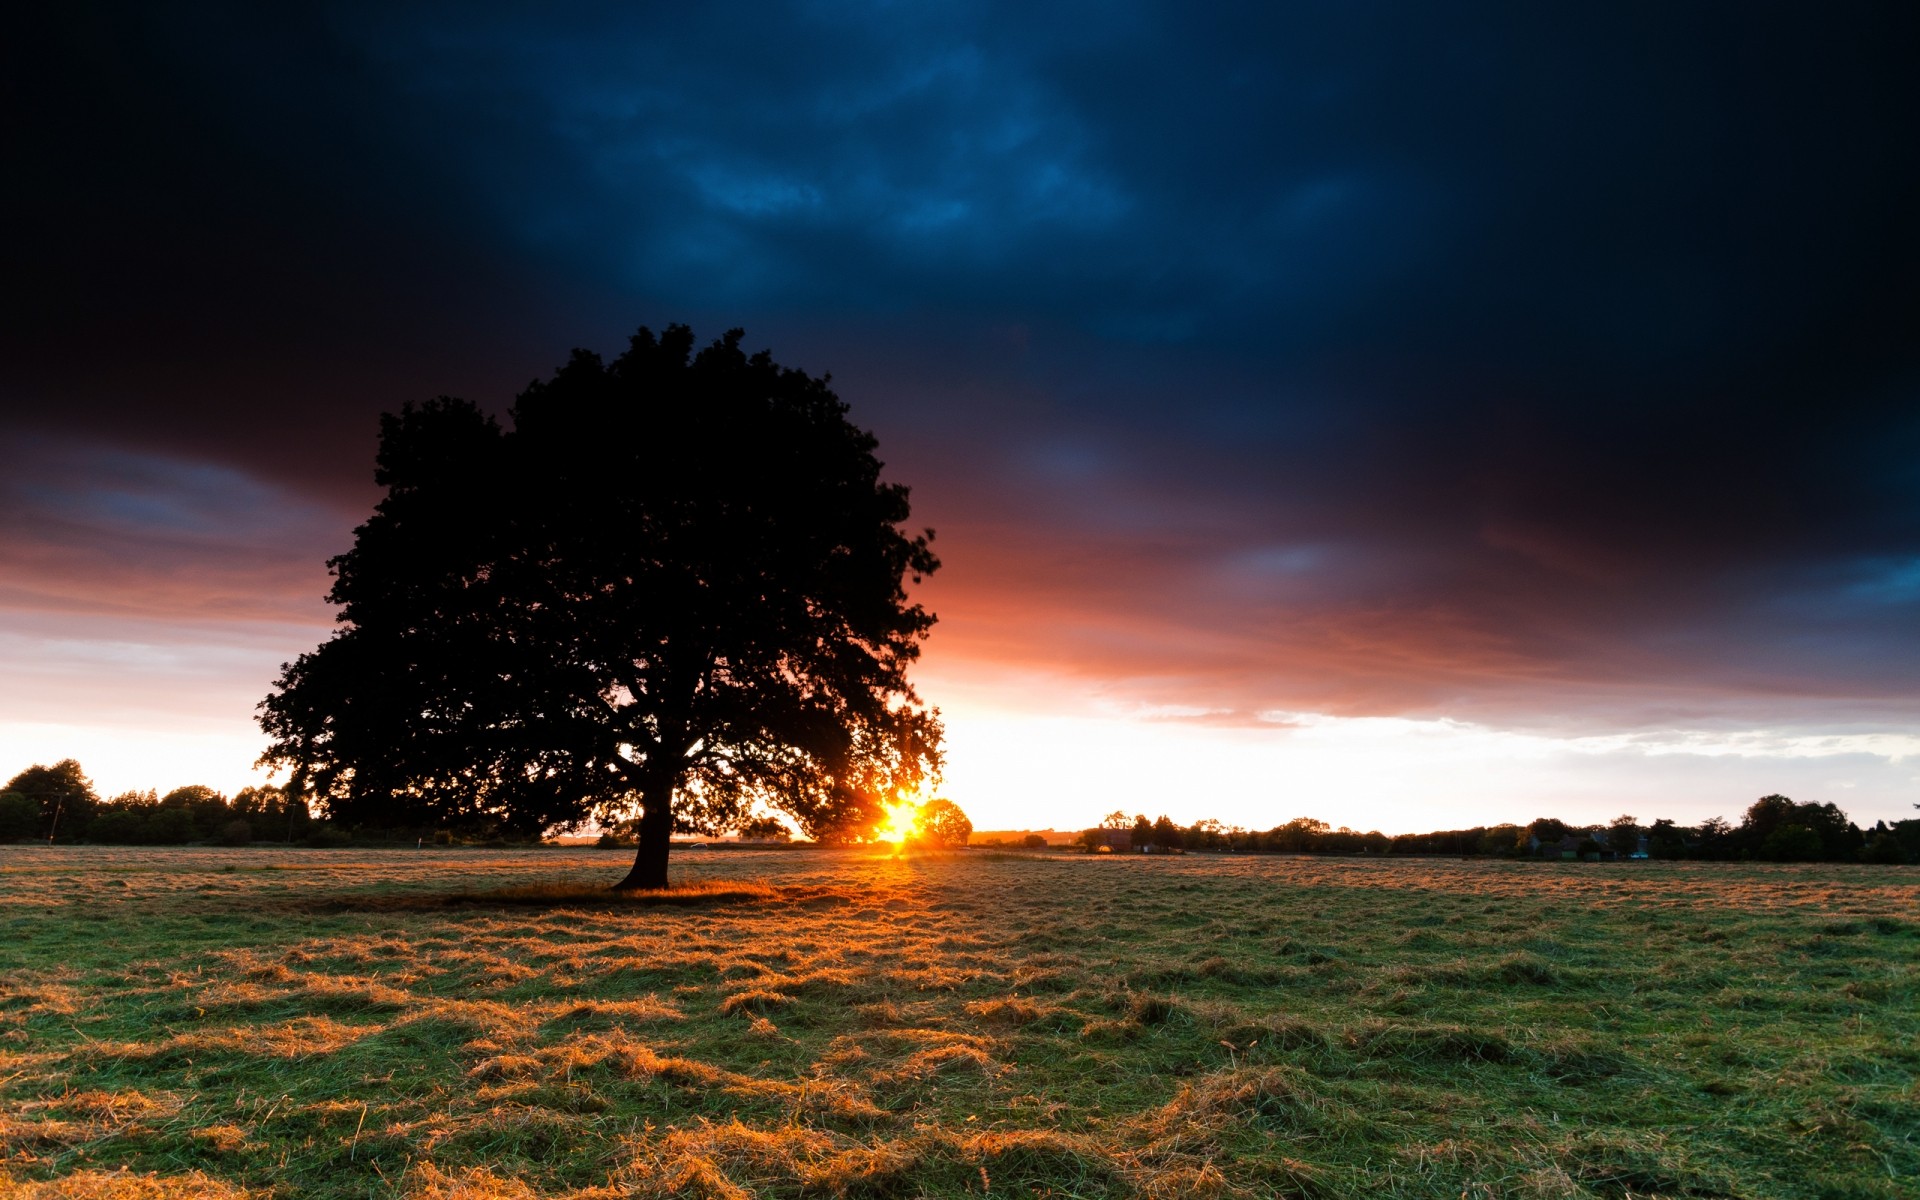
<point x="942" y="823"/>
<point x="1547" y="832"/>
<point x="1835" y="837"/>
<point x="1166" y="834"/>
<point x="675" y="584"/>
<point x="1716" y="839"/>
<point x="271" y="812"/>
<point x="64" y="794"/>
<point x="1664" y="840"/>
<point x="125" y="818"/>
<point x="766" y="829"/>
<point x="1791" y="843"/>
<point x="1623" y="835"/>
<point x="1141" y="835"/>
<point x="19" y="817"/>
<point x="1298" y="836"/>
<point x="1884" y="848"/>
<point x="206" y="810"/>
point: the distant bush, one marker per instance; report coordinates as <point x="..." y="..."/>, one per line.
<point x="326" y="837"/>
<point x="235" y="833"/>
<point x="1034" y="841"/>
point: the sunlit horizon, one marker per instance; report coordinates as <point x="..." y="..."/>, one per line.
<point x="1069" y="753"/>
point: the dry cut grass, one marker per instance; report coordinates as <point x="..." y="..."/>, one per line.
<point x="497" y="1026"/>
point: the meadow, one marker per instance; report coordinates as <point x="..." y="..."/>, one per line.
<point x="788" y="1023"/>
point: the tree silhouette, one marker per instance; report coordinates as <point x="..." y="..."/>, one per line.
<point x="675" y="584"/>
<point x="943" y="823"/>
<point x="765" y="829"/>
<point x="62" y="794"/>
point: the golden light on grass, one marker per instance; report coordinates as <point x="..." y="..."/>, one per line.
<point x="955" y="1026"/>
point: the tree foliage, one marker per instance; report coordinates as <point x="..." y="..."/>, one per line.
<point x="1774" y="827"/>
<point x="765" y="829"/>
<point x="676" y="584"/>
<point x="61" y="796"/>
<point x="943" y="823"/>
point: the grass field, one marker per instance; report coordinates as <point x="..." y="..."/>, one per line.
<point x="796" y="1023"/>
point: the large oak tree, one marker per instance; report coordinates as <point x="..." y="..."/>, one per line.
<point x="676" y="585"/>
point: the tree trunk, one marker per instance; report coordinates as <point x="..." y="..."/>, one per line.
<point x="649" y="871"/>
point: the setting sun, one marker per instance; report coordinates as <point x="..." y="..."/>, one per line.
<point x="902" y="822"/>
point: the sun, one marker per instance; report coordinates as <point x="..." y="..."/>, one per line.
<point x="901" y="823"/>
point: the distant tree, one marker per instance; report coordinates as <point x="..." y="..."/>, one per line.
<point x="1791" y="843"/>
<point x="1549" y="830"/>
<point x="1115" y="820"/>
<point x="1205" y="834"/>
<point x="63" y="794"/>
<point x="1715" y="839"/>
<point x="1664" y="841"/>
<point x="766" y="829"/>
<point x="1299" y="836"/>
<point x="1034" y="841"/>
<point x="19" y="816"/>
<point x="272" y="811"/>
<point x="1503" y="841"/>
<point x="1837" y="838"/>
<point x="676" y="584"/>
<point x="1907" y="835"/>
<point x="1884" y="848"/>
<point x="126" y="819"/>
<point x="169" y="827"/>
<point x="1166" y="834"/>
<point x="942" y="823"/>
<point x="1142" y="832"/>
<point x="207" y="810"/>
<point x="1764" y="816"/>
<point x="1623" y="835"/>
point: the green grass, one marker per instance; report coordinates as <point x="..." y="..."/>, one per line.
<point x="492" y="1024"/>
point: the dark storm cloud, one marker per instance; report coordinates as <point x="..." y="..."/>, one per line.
<point x="1367" y="357"/>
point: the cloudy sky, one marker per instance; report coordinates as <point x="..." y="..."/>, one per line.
<point x="1405" y="415"/>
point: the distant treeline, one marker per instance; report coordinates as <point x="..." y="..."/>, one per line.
<point x="1774" y="829"/>
<point x="58" y="803"/>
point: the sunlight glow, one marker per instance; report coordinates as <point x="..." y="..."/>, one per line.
<point x="902" y="822"/>
<point x="1064" y="769"/>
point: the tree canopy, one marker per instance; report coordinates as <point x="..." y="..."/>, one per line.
<point x="675" y="584"/>
<point x="943" y="823"/>
<point x="59" y="799"/>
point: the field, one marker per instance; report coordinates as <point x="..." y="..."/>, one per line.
<point x="484" y="1024"/>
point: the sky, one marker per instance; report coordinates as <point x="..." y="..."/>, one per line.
<point x="1409" y="416"/>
